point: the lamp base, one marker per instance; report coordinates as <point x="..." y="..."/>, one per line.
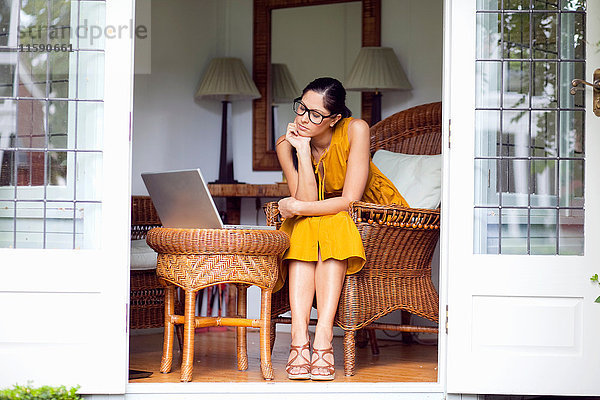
<point x="225" y="182"/>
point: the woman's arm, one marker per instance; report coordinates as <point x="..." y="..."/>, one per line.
<point x="301" y="182"/>
<point x="357" y="173"/>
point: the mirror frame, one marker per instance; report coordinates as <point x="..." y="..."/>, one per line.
<point x="264" y="158"/>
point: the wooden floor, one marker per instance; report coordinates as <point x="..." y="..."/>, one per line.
<point x="215" y="360"/>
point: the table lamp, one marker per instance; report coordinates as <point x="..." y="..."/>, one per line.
<point x="376" y="69"/>
<point x="226" y="79"/>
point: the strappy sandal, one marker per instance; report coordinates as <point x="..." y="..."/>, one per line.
<point x="329" y="367"/>
<point x="305" y="366"/>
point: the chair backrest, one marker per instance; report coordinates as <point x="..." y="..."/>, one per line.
<point x="417" y="130"/>
<point x="143" y="216"/>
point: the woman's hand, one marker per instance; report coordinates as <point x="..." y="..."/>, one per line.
<point x="300" y="143"/>
<point x="288" y="207"/>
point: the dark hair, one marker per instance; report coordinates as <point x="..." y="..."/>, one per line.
<point x="334" y="100"/>
<point x="334" y="95"/>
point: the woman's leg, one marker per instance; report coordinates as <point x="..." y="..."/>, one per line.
<point x="301" y="278"/>
<point x="329" y="278"/>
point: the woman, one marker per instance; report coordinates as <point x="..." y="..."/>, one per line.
<point x="326" y="161"/>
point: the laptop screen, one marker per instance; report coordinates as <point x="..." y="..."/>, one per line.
<point x="182" y="199"/>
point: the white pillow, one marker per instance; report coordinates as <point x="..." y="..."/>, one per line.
<point x="418" y="178"/>
<point x="142" y="255"/>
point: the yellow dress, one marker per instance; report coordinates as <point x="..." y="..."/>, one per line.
<point x="335" y="235"/>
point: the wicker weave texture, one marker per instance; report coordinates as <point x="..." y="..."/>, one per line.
<point x="146" y="296"/>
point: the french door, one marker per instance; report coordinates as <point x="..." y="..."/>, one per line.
<point x="523" y="204"/>
<point x="65" y="106"/>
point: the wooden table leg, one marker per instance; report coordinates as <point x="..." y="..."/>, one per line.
<point x="167" y="357"/>
<point x="187" y="364"/>
<point x="265" y="335"/>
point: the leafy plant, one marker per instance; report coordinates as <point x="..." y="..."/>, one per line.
<point x="27" y="392"/>
<point x="595" y="279"/>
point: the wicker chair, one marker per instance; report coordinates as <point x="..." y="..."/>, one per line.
<point x="147" y="295"/>
<point x="399" y="243"/>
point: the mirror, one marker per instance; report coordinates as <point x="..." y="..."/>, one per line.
<point x="280" y="17"/>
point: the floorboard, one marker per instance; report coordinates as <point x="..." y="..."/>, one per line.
<point x="215" y="359"/>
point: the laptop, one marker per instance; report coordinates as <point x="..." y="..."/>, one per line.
<point x="182" y="200"/>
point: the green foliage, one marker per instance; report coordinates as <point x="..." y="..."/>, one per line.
<point x="595" y="279"/>
<point x="27" y="392"/>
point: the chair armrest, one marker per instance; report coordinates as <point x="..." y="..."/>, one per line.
<point x="394" y="215"/>
<point x="272" y="214"/>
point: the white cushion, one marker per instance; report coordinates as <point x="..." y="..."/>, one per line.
<point x="418" y="178"/>
<point x="142" y="255"/>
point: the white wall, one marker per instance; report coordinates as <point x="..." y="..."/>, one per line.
<point x="172" y="131"/>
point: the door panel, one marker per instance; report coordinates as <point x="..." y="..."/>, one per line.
<point x="522" y="243"/>
<point x="64" y="238"/>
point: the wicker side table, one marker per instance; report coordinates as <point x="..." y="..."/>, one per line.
<point x="197" y="258"/>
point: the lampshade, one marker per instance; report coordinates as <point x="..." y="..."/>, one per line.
<point x="283" y="86"/>
<point x="377" y="69"/>
<point x="227" y="80"/>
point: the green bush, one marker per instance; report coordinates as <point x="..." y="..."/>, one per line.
<point x="28" y="392"/>
<point x="595" y="279"/>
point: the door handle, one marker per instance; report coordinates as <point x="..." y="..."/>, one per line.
<point x="595" y="85"/>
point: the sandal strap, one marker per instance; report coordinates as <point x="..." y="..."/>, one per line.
<point x="321" y="353"/>
<point x="298" y="350"/>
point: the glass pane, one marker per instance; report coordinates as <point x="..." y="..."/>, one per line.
<point x="573" y="5"/>
<point x="543" y="232"/>
<point x="515" y="137"/>
<point x="57" y="168"/>
<point x="30" y="172"/>
<point x="5" y="8"/>
<point x="30" y="225"/>
<point x="514" y="231"/>
<point x="32" y="124"/>
<point x="572" y="36"/>
<point x="8" y="62"/>
<point x="7" y="224"/>
<point x="568" y="72"/>
<point x="488" y="36"/>
<point x="7" y="173"/>
<point x="571" y="183"/>
<point x="572" y="134"/>
<point x="90" y="125"/>
<point x="59" y="225"/>
<point x="514" y="182"/>
<point x="486" y="190"/>
<point x="33" y="22"/>
<point x="571" y="238"/>
<point x="543" y="183"/>
<point x="487" y="133"/>
<point x="544" y="85"/>
<point x="516" y="35"/>
<point x="543" y="134"/>
<point x="516" y="4"/>
<point x="489" y="4"/>
<point x="32" y="74"/>
<point x="545" y="32"/>
<point x="516" y="84"/>
<point x="60" y="64"/>
<point x="89" y="172"/>
<point x="58" y="121"/>
<point x="87" y="225"/>
<point x="488" y="78"/>
<point x="92" y="17"/>
<point x="545" y="4"/>
<point x="486" y="231"/>
<point x="91" y="75"/>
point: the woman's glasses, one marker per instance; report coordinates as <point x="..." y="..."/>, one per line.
<point x="314" y="116"/>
